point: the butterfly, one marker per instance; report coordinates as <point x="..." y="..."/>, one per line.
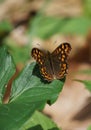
<point x="53" y="65"/>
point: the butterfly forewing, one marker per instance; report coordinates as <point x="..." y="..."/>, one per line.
<point x="63" y="48"/>
<point x="38" y="55"/>
<point x="44" y="63"/>
<point x="59" y="60"/>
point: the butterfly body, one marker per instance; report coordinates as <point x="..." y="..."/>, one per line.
<point x="52" y="65"/>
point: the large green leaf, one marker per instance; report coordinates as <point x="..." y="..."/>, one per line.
<point x="29" y="93"/>
<point x="30" y="85"/>
<point x="21" y="54"/>
<point x="15" y="114"/>
<point x="7" y="69"/>
<point x="79" y="25"/>
<point x="39" y="120"/>
<point x="46" y="27"/>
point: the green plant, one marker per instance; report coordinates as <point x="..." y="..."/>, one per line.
<point x="28" y="94"/>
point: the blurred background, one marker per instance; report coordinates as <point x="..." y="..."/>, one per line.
<point x="25" y="24"/>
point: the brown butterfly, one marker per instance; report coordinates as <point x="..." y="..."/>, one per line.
<point x="53" y="65"/>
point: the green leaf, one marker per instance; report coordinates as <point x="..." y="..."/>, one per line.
<point x="41" y="121"/>
<point x="5" y="26"/>
<point x="79" y="25"/>
<point x="29" y="93"/>
<point x="45" y="27"/>
<point x="7" y="69"/>
<point x="89" y="128"/>
<point x="86" y="83"/>
<point x="21" y="54"/>
<point x="37" y="127"/>
<point x="15" y="114"/>
<point x="31" y="82"/>
<point x="87" y="7"/>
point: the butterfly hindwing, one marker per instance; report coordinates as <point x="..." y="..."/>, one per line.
<point x="44" y="63"/>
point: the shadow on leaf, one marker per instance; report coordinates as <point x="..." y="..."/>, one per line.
<point x="55" y="128"/>
<point x="37" y="73"/>
<point x="37" y="127"/>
